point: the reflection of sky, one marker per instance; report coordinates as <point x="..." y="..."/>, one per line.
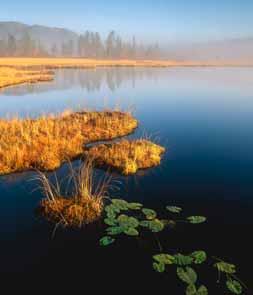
<point x="199" y="87"/>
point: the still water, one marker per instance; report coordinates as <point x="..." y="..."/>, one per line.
<point x="204" y="118"/>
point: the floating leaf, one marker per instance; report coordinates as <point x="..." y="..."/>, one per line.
<point x="125" y="221"/>
<point x="196" y="219"/>
<point x="110" y="221"/>
<point x="150" y="214"/>
<point x="225" y="267"/>
<point x="202" y="290"/>
<point x="191" y="290"/>
<point x="144" y="223"/>
<point x="115" y="230"/>
<point x="199" y="257"/>
<point x="120" y="204"/>
<point x="234" y="286"/>
<point x="187" y="275"/>
<point x="182" y="260"/>
<point x="111" y="214"/>
<point x="105" y="241"/>
<point x="174" y="209"/>
<point x="134" y="206"/>
<point x="164" y="258"/>
<point x="156" y="225"/>
<point x="131" y="231"/>
<point x="159" y="267"/>
<point x="112" y="209"/>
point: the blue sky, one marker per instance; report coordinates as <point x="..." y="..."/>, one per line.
<point x="161" y="20"/>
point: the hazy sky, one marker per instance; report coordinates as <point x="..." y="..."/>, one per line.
<point x="161" y="20"/>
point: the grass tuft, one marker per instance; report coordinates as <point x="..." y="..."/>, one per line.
<point x="83" y="203"/>
<point x="127" y="156"/>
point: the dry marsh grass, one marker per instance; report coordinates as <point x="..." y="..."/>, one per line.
<point x="45" y="143"/>
<point x="11" y="76"/>
<point x="83" y="203"/>
<point x="127" y="156"/>
<point x="54" y="63"/>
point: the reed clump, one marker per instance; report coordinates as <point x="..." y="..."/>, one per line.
<point x="46" y="142"/>
<point x="82" y="204"/>
<point x="127" y="156"/>
<point x="10" y="76"/>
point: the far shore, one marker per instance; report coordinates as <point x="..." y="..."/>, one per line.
<point x="20" y="70"/>
<point x="55" y="63"/>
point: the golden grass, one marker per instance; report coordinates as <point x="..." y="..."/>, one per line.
<point x="84" y="203"/>
<point x="45" y="143"/>
<point x="11" y="76"/>
<point x="54" y="63"/>
<point x="127" y="156"/>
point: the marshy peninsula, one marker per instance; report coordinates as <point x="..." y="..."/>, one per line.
<point x="125" y="160"/>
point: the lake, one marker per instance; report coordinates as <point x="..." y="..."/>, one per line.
<point x="203" y="116"/>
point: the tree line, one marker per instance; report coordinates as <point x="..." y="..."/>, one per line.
<point x="88" y="45"/>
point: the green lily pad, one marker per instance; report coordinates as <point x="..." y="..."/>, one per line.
<point x="187" y="275"/>
<point x="131" y="231"/>
<point x="120" y="204"/>
<point x="110" y="221"/>
<point x="105" y="241"/>
<point x="159" y="267"/>
<point x="114" y="230"/>
<point x="192" y="290"/>
<point x="234" y="286"/>
<point x="156" y="225"/>
<point x="164" y="258"/>
<point x="174" y="209"/>
<point x="196" y="219"/>
<point x="199" y="257"/>
<point x="225" y="267"/>
<point x="134" y="206"/>
<point x="182" y="260"/>
<point x="149" y="213"/>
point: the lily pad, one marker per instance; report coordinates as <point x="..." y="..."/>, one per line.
<point x="234" y="286"/>
<point x="114" y="230"/>
<point x="187" y="275"/>
<point x="156" y="225"/>
<point x="196" y="219"/>
<point x="159" y="267"/>
<point x="131" y="231"/>
<point x="174" y="209"/>
<point x="149" y="213"/>
<point x="105" y="241"/>
<point x="110" y="221"/>
<point x="182" y="260"/>
<point x="199" y="257"/>
<point x="134" y="206"/>
<point x="164" y="258"/>
<point x="120" y="204"/>
<point x="225" y="267"/>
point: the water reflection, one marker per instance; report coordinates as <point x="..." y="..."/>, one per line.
<point x="91" y="80"/>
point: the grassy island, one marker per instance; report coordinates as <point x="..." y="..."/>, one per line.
<point x="11" y="76"/>
<point x="46" y="142"/>
<point x="127" y="156"/>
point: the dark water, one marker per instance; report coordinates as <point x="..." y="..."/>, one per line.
<point x="203" y="117"/>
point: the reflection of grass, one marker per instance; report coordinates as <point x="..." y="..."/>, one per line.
<point x="127" y="156"/>
<point x="11" y="76"/>
<point x="84" y="203"/>
<point x="46" y="142"/>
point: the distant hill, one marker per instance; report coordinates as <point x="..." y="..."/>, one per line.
<point x="47" y="36"/>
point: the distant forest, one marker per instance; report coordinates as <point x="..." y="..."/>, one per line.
<point x="88" y="45"/>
